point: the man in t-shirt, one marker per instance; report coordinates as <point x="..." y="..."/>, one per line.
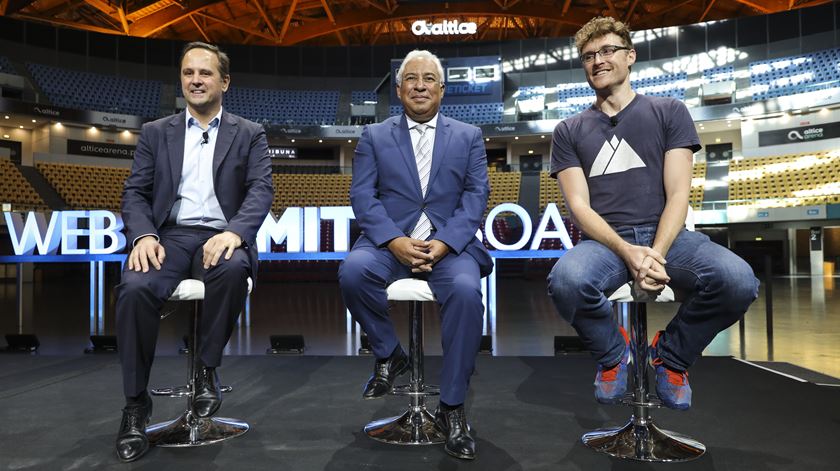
<point x="624" y="167"/>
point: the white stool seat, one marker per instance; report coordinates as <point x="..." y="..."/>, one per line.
<point x="193" y="290"/>
<point x="626" y="294"/>
<point x="410" y="289"/>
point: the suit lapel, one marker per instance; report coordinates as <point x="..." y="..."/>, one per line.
<point x="228" y="128"/>
<point x="175" y="142"/>
<point x="442" y="135"/>
<point x="400" y="131"/>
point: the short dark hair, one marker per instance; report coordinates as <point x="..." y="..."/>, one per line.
<point x="224" y="61"/>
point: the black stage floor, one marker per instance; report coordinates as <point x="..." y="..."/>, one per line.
<point x="306" y="413"/>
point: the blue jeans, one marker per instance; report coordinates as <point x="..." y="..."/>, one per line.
<point x="719" y="285"/>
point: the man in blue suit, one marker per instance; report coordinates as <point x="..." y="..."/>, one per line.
<point x="419" y="192"/>
<point x="199" y="189"/>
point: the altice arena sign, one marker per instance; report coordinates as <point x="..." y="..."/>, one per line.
<point x="445" y="27"/>
<point x="99" y="232"/>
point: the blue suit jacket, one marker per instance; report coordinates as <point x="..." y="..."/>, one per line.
<point x="241" y="177"/>
<point x="386" y="195"/>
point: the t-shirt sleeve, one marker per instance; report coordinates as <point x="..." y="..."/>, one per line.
<point x="680" y="132"/>
<point x="563" y="153"/>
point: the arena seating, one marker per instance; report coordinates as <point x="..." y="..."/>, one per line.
<point x="6" y="66"/>
<point x="474" y="113"/>
<point x="786" y="180"/>
<point x="360" y="97"/>
<point x="90" y="91"/>
<point x="269" y="106"/>
<point x="299" y="190"/>
<point x="504" y="188"/>
<point x="15" y="189"/>
<point x="86" y="186"/>
<point x="572" y="98"/>
<point x="550" y="193"/>
<point x="719" y="74"/>
<point x="698" y="179"/>
<point x="795" y="74"/>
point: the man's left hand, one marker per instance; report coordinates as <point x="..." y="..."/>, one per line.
<point x="226" y="243"/>
<point x="437" y="250"/>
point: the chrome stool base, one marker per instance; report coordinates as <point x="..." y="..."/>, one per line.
<point x="644" y="442"/>
<point x="189" y="431"/>
<point x="182" y="391"/>
<point x="415" y="427"/>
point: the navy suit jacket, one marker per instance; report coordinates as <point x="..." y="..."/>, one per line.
<point x="386" y="195"/>
<point x="241" y="177"/>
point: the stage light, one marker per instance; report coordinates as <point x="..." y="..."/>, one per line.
<point x="349" y="141"/>
<point x="486" y="139"/>
<point x="21" y="126"/>
<point x="5" y="136"/>
<point x="542" y="136"/>
<point x="22" y="343"/>
<point x="102" y="344"/>
<point x="58" y="125"/>
<point x="293" y="140"/>
<point x="516" y="138"/>
<point x="34" y="121"/>
<point x="568" y="344"/>
<point x="7" y="116"/>
<point x="320" y="141"/>
<point x="286" y="344"/>
<point x="486" y="345"/>
<point x="364" y="345"/>
<point x="126" y="133"/>
<point x="530" y="151"/>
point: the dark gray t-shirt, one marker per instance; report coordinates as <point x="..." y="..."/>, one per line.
<point x="623" y="157"/>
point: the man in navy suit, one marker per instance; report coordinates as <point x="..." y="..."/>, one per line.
<point x="199" y="189"/>
<point x="419" y="192"/>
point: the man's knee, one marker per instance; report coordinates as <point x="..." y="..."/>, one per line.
<point x="354" y="270"/>
<point x="566" y="279"/>
<point x="740" y="285"/>
<point x="234" y="270"/>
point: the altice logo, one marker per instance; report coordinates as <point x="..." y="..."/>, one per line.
<point x="423" y="28"/>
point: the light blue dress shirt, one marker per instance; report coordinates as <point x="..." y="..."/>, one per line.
<point x="196" y="203"/>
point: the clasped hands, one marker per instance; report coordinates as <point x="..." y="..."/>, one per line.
<point x="647" y="267"/>
<point x="420" y="255"/>
<point x="148" y="251"/>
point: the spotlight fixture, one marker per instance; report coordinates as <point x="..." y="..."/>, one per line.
<point x="22" y="343"/>
<point x="286" y="344"/>
<point x="568" y="344"/>
<point x="102" y="344"/>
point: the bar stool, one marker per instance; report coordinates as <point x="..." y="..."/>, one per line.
<point x="416" y="426"/>
<point x="187" y="430"/>
<point x="640" y="439"/>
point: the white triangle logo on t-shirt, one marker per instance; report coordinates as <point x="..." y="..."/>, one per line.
<point x="615" y="157"/>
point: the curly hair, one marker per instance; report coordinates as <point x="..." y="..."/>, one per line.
<point x="601" y="26"/>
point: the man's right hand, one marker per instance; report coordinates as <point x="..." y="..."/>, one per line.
<point x="147" y="251"/>
<point x="410" y="252"/>
<point x="646" y="266"/>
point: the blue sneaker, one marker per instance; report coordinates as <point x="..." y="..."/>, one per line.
<point x="611" y="383"/>
<point x="671" y="385"/>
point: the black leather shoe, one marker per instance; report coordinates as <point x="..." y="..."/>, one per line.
<point x="132" y="442"/>
<point x="459" y="442"/>
<point x="208" y="392"/>
<point x="384" y="373"/>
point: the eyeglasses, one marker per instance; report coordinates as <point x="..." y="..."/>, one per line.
<point x="605" y="52"/>
<point x="411" y="79"/>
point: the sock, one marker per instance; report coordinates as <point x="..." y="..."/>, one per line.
<point x="446" y="407"/>
<point x="139" y="400"/>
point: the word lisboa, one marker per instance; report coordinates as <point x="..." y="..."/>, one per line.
<point x="422" y="28"/>
<point x="299" y="228"/>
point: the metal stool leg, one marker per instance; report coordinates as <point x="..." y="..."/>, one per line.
<point x="640" y="439"/>
<point x="416" y="426"/>
<point x="187" y="430"/>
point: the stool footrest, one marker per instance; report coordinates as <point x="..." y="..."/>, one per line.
<point x="190" y="431"/>
<point x="181" y="391"/>
<point x="644" y="442"/>
<point x="416" y="426"/>
<point x="405" y="390"/>
<point x="652" y="402"/>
